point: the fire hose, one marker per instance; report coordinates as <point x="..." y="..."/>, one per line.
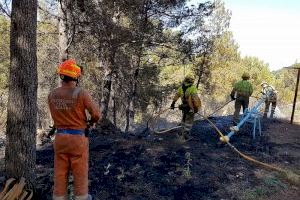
<point x="289" y="175"/>
<point x="152" y="120"/>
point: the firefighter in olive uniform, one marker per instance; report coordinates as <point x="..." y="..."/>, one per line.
<point x="190" y="103"/>
<point x="241" y="92"/>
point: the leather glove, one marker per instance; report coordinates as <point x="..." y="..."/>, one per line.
<point x="172" y="105"/>
<point x="89" y="126"/>
<point x="184" y="107"/>
<point x="51" y="132"/>
<point x="232" y="97"/>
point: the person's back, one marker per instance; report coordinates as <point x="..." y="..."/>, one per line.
<point x="191" y="104"/>
<point x="68" y="104"/>
<point x="270" y="91"/>
<point x="271" y="98"/>
<point x="242" y="90"/>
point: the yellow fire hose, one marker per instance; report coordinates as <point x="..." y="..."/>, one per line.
<point x="152" y="120"/>
<point x="240" y="153"/>
<point x="220" y="107"/>
<point x="288" y="175"/>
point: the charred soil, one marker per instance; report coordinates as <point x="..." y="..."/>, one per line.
<point x="150" y="166"/>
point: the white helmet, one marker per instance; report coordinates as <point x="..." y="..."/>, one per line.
<point x="264" y="84"/>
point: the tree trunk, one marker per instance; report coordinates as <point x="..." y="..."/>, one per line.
<point x="20" y="152"/>
<point x="106" y="93"/>
<point x="136" y="69"/>
<point x="132" y="95"/>
<point x="114" y="105"/>
<point x="63" y="39"/>
<point x="108" y="65"/>
<point x="107" y="56"/>
<point x="201" y="70"/>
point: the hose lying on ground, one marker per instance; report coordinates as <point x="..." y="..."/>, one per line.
<point x="152" y="120"/>
<point x="286" y="174"/>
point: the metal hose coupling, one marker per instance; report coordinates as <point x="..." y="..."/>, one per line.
<point x="224" y="139"/>
<point x="234" y="129"/>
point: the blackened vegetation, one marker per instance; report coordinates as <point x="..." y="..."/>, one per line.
<point x="123" y="167"/>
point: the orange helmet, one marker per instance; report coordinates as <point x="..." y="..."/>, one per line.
<point x="69" y="68"/>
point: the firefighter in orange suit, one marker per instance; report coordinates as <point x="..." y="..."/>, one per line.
<point x="68" y="105"/>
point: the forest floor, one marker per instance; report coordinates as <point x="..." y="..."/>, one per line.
<point x="144" y="166"/>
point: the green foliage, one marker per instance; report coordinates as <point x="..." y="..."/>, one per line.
<point x="149" y="47"/>
<point x="4" y="51"/>
<point x="4" y="67"/>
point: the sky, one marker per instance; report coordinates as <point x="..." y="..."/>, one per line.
<point x="267" y="29"/>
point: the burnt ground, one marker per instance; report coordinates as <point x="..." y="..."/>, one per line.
<point x="148" y="166"/>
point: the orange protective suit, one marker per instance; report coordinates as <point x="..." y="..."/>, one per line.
<point x="68" y="104"/>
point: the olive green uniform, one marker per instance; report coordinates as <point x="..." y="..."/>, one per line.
<point x="190" y="105"/>
<point x="243" y="90"/>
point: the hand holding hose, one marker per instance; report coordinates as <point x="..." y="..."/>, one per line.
<point x="51" y="132"/>
<point x="232" y="97"/>
<point x="89" y="126"/>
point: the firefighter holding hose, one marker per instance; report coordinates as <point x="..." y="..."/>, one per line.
<point x="190" y="104"/>
<point x="241" y="92"/>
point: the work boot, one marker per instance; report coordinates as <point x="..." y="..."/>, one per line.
<point x="180" y="137"/>
<point x="188" y="137"/>
<point x="84" y="197"/>
<point x="59" y="197"/>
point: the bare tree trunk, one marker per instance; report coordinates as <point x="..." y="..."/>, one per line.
<point x="107" y="55"/>
<point x="63" y="40"/>
<point x="106" y="91"/>
<point x="131" y="97"/>
<point x="20" y="152"/>
<point x="114" y="105"/>
<point x="136" y="68"/>
<point x="108" y="65"/>
<point x="129" y="113"/>
<point x="201" y="69"/>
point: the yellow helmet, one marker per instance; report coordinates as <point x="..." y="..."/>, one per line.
<point x="245" y="75"/>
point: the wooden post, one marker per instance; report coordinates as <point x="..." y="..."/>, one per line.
<point x="295" y="98"/>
